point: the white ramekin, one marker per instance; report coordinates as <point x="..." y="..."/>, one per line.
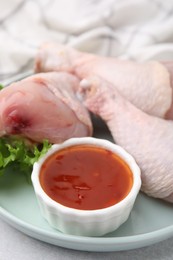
<point x="86" y="222"/>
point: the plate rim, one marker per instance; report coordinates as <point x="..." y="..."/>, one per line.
<point x="81" y="243"/>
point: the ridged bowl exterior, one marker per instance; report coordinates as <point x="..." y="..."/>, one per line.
<point x="86" y="222"/>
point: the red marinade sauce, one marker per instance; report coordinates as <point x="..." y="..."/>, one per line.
<point x="86" y="177"/>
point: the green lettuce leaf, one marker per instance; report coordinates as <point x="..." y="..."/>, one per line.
<point x="18" y="153"/>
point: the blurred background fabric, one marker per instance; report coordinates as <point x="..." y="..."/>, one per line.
<point x="128" y="29"/>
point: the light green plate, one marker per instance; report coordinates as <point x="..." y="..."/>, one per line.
<point x="150" y="221"/>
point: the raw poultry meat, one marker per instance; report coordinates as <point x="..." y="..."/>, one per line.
<point x="146" y="85"/>
<point x="130" y="97"/>
<point x="44" y="106"/>
<point x="149" y="139"/>
<point x="169" y="66"/>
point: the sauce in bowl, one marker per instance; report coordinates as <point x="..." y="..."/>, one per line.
<point x="86" y="177"/>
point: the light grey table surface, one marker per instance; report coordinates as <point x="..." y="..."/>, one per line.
<point x="15" y="245"/>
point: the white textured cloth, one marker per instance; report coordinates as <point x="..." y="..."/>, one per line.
<point x="133" y="29"/>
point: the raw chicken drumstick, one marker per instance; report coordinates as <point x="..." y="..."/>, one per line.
<point x="146" y="85"/>
<point x="149" y="139"/>
<point x="44" y="106"/>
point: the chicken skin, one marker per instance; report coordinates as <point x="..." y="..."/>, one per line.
<point x="149" y="139"/>
<point x="146" y="85"/>
<point x="44" y="106"/>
